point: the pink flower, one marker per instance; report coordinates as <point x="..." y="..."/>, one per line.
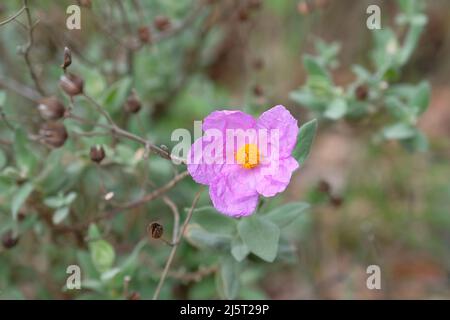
<point x="255" y="161"/>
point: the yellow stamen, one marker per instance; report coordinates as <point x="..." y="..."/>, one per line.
<point x="248" y="156"/>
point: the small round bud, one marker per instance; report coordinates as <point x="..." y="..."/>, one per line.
<point x="361" y="92"/>
<point x="97" y="154"/>
<point x="9" y="240"/>
<point x="162" y="23"/>
<point x="155" y="230"/>
<point x="258" y="90"/>
<point x="336" y="201"/>
<point x="67" y="58"/>
<point x="134" y="296"/>
<point x="144" y="34"/>
<point x="133" y="103"/>
<point x="324" y="187"/>
<point x="303" y="7"/>
<point x="51" y="108"/>
<point x="71" y="84"/>
<point x="54" y="134"/>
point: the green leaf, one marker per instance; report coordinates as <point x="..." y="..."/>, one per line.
<point x="239" y="249"/>
<point x="314" y="68"/>
<point x="228" y="281"/>
<point x="336" y="109"/>
<point x="286" y="214"/>
<point x="305" y="139"/>
<point x="3" y="159"/>
<point x="261" y="237"/>
<point x="421" y="97"/>
<point x="102" y="255"/>
<point x="399" y="131"/>
<point x="25" y="158"/>
<point x="60" y="214"/>
<point x="203" y="239"/>
<point x="116" y="94"/>
<point x="19" y="198"/>
<point x="212" y="221"/>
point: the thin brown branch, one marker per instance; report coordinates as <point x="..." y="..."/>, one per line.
<point x="13" y="17"/>
<point x="175" y="247"/>
<point x="20" y="89"/>
<point x="27" y="49"/>
<point x="176" y="217"/>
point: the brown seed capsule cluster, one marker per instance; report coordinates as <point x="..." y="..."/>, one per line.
<point x="51" y="108"/>
<point x="144" y="34"/>
<point x="361" y="92"/>
<point x="133" y="103"/>
<point x="67" y="58"/>
<point x="162" y="23"/>
<point x="9" y="240"/>
<point x="155" y="230"/>
<point x="53" y="134"/>
<point x="97" y="154"/>
<point x="71" y="84"/>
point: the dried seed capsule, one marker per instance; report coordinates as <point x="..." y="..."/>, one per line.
<point x="162" y="23"/>
<point x="71" y="84"/>
<point x="133" y="103"/>
<point x="155" y="230"/>
<point x="324" y="187"/>
<point x="258" y="90"/>
<point x="53" y="134"/>
<point x="51" y="108"/>
<point x="67" y="58"/>
<point x="9" y="240"/>
<point x="144" y="34"/>
<point x="362" y="92"/>
<point x="97" y="154"/>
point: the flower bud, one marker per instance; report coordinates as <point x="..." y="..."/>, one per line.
<point x="258" y="90"/>
<point x="133" y="103"/>
<point x="9" y="240"/>
<point x="97" y="154"/>
<point x="155" y="230"/>
<point x="71" y="84"/>
<point x="144" y="34"/>
<point x="67" y="58"/>
<point x="54" y="134"/>
<point x="51" y="108"/>
<point x="162" y="23"/>
<point x="361" y="92"/>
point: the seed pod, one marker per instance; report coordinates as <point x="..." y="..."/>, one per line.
<point x="51" y="108"/>
<point x="162" y="23"/>
<point x="9" y="240"/>
<point x="303" y="7"/>
<point x="67" y="58"/>
<point x="155" y="230"/>
<point x="134" y="296"/>
<point x="71" y="84"/>
<point x="336" y="201"/>
<point x="361" y="92"/>
<point x="97" y="154"/>
<point x="258" y="90"/>
<point x="144" y="34"/>
<point x="324" y="187"/>
<point x="54" y="134"/>
<point x="133" y="103"/>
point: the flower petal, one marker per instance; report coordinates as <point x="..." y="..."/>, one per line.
<point x="204" y="167"/>
<point x="234" y="194"/>
<point x="228" y="119"/>
<point x="280" y="118"/>
<point x="272" y="181"/>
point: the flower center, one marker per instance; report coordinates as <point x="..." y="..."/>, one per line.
<point x="248" y="156"/>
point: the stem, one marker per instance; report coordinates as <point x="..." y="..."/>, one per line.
<point x="175" y="246"/>
<point x="18" y="13"/>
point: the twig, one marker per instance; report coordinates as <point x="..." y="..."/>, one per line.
<point x="20" y="89"/>
<point x="14" y="16"/>
<point x="27" y="49"/>
<point x="176" y="217"/>
<point x="175" y="247"/>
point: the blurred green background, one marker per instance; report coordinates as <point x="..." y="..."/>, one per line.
<point x="372" y="203"/>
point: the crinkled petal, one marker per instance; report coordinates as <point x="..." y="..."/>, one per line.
<point x="204" y="167"/>
<point x="228" y="119"/>
<point x="275" y="180"/>
<point x="280" y="118"/>
<point x="235" y="194"/>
